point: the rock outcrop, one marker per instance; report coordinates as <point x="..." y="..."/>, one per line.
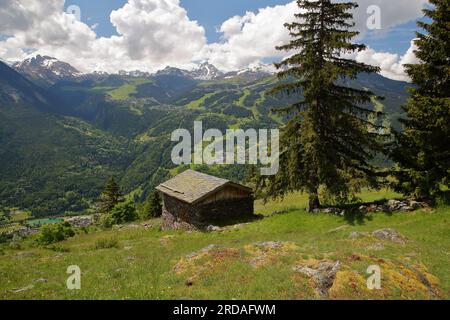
<point x="388" y="206"/>
<point x="323" y="274"/>
<point x="389" y="235"/>
<point x="80" y="222"/>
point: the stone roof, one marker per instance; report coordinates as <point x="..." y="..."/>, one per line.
<point x="192" y="186"/>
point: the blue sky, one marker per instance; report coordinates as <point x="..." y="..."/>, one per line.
<point x="395" y="40"/>
<point x="212" y="13"/>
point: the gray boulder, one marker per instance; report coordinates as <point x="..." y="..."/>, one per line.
<point x="388" y="235"/>
<point x="323" y="275"/>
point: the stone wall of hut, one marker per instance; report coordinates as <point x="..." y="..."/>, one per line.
<point x="180" y="215"/>
<point x="177" y="214"/>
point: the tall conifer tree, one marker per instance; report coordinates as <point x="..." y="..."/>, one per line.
<point x="328" y="140"/>
<point x="423" y="149"/>
<point x="110" y="196"/>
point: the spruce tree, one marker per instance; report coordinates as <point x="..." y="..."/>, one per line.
<point x="423" y="149"/>
<point x="328" y="140"/>
<point x="152" y="207"/>
<point x="110" y="196"/>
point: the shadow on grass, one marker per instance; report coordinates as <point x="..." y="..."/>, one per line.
<point x="354" y="216"/>
<point x="357" y="218"/>
<point x="236" y="220"/>
<point x="285" y="211"/>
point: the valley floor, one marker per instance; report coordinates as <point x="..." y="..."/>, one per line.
<point x="259" y="260"/>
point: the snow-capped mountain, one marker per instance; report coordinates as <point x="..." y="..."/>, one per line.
<point x="171" y="71"/>
<point x="255" y="71"/>
<point x="16" y="90"/>
<point x="7" y="62"/>
<point x="263" y="67"/>
<point x="46" y="70"/>
<point x="206" y="71"/>
<point x="134" y="73"/>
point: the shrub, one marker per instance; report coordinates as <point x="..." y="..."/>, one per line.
<point x="107" y="243"/>
<point x="53" y="233"/>
<point x="105" y="221"/>
<point x="123" y="212"/>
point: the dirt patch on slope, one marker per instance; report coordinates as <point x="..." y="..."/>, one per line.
<point x="264" y="253"/>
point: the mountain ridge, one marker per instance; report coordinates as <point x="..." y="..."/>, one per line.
<point x="16" y="88"/>
<point x="46" y="70"/>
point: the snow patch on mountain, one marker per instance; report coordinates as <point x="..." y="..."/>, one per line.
<point x="46" y="70"/>
<point x="206" y="71"/>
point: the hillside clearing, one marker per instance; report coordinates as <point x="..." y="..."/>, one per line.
<point x="250" y="261"/>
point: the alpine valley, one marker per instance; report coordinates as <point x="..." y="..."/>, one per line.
<point x="63" y="133"/>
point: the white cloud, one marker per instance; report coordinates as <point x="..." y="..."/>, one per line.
<point x="35" y="24"/>
<point x="152" y="34"/>
<point x="392" y="65"/>
<point x="392" y="13"/>
<point x="158" y="30"/>
<point x="253" y="36"/>
<point x="156" y="33"/>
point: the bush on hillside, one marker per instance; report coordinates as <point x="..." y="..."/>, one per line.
<point x="122" y="213"/>
<point x="53" y="233"/>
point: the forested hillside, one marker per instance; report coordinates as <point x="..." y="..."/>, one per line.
<point x="61" y="143"/>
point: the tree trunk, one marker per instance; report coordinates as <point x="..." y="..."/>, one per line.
<point x="314" y="202"/>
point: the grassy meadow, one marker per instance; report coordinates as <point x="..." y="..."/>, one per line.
<point x="141" y="262"/>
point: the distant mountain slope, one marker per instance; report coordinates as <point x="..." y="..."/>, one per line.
<point x="59" y="144"/>
<point x="50" y="163"/>
<point x="14" y="88"/>
<point x="46" y="70"/>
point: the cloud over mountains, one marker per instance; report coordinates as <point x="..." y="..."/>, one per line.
<point x="152" y="34"/>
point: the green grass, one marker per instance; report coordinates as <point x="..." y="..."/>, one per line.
<point x="99" y="89"/>
<point x="142" y="266"/>
<point x="200" y="103"/>
<point x="125" y="91"/>
<point x="241" y="102"/>
<point x="20" y="216"/>
<point x="379" y="107"/>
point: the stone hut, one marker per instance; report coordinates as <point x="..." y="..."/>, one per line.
<point x="194" y="200"/>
